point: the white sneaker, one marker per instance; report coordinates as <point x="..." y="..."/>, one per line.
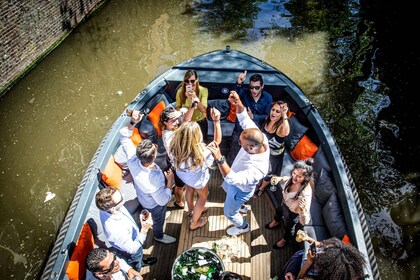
<point x="244" y="209"/>
<point x="237" y="231"/>
<point x="166" y="239"/>
<point x="167" y="214"/>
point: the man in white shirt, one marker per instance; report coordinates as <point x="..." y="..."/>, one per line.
<point x="152" y="191"/>
<point x="120" y="229"/>
<point x="250" y="165"/>
<point x="102" y="264"/>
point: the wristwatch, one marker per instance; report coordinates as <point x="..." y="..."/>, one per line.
<point x="221" y="160"/>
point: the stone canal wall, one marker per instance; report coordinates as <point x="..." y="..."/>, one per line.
<point x="30" y="29"/>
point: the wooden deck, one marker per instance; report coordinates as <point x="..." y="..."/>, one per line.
<point x="252" y="256"/>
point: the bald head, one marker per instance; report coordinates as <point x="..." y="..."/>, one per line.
<point x="253" y="135"/>
<point x="253" y="140"/>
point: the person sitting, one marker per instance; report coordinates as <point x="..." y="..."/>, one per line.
<point x="189" y="92"/>
<point x="120" y="229"/>
<point x="276" y="128"/>
<point x="148" y="179"/>
<point x="192" y="160"/>
<point x="257" y="103"/>
<point x="105" y="265"/>
<point x="297" y="197"/>
<point x="169" y="121"/>
<point x="331" y="259"/>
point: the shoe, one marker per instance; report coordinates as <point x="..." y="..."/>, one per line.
<point x="281" y="246"/>
<point x="177" y="206"/>
<point x="190" y="214"/>
<point x="166" y="239"/>
<point x="149" y="261"/>
<point x="199" y="224"/>
<point x="267" y="226"/>
<point x="167" y="214"/>
<point x="244" y="209"/>
<point x="237" y="231"/>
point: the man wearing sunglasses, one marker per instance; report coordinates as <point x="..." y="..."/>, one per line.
<point x="106" y="265"/>
<point x="120" y="229"/>
<point x="257" y="103"/>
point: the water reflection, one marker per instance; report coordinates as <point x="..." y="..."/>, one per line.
<point x="53" y="120"/>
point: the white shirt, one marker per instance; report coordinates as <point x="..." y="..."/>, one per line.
<point x="247" y="169"/>
<point x="148" y="182"/>
<point x="122" y="231"/>
<point x="198" y="177"/>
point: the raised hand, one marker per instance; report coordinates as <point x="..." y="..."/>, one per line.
<point x="215" y="114"/>
<point x="241" y="77"/>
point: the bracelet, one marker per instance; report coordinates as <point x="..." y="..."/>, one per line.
<point x="132" y="123"/>
<point x="285" y="119"/>
<point x="221" y="160"/>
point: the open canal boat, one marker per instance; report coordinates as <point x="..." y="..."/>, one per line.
<point x="336" y="209"/>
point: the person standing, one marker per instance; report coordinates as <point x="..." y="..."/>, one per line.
<point x="257" y="103"/>
<point x="169" y="121"/>
<point x="249" y="167"/>
<point x="152" y="191"/>
<point x="120" y="229"/>
<point x="192" y="160"/>
<point x="105" y="265"/>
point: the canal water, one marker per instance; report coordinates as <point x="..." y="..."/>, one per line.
<point x="345" y="55"/>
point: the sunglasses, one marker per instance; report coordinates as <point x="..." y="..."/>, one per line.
<point x="111" y="266"/>
<point x="256" y="87"/>
<point x="189" y="81"/>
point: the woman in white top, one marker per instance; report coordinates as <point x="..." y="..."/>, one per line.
<point x="297" y="197"/>
<point x="192" y="160"/>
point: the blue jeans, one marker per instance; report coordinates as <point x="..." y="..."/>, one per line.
<point x="234" y="200"/>
<point x="158" y="216"/>
<point x="134" y="260"/>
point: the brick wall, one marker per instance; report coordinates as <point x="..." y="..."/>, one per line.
<point x="30" y="28"/>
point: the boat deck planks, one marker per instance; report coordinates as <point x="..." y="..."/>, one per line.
<point x="257" y="259"/>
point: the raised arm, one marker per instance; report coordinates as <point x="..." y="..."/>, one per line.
<point x="215" y="116"/>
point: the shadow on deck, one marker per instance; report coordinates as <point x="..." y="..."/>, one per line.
<point x="250" y="255"/>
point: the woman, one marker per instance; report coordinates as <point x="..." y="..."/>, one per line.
<point x="192" y="160"/>
<point x="189" y="90"/>
<point x="297" y="197"/>
<point x="168" y="123"/>
<point x="276" y="128"/>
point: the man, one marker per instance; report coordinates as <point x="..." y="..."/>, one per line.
<point x="148" y="179"/>
<point x="257" y="103"/>
<point x="250" y="165"/>
<point x="105" y="265"/>
<point x="120" y="228"/>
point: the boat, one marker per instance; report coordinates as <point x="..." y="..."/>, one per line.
<point x="218" y="71"/>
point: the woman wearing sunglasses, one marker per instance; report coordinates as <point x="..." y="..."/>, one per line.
<point x="188" y="91"/>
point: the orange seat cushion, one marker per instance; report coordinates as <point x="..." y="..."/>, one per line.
<point x="232" y="113"/>
<point x="304" y="149"/>
<point x="346" y="239"/>
<point x="154" y="116"/>
<point x="136" y="137"/>
<point x="76" y="269"/>
<point x="112" y="173"/>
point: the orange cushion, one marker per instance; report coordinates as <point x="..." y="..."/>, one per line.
<point x="76" y="269"/>
<point x="232" y="113"/>
<point x="346" y="239"/>
<point x="154" y="116"/>
<point x="136" y="137"/>
<point x="304" y="149"/>
<point x="112" y="173"/>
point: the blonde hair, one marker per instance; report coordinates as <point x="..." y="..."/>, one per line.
<point x="187" y="144"/>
